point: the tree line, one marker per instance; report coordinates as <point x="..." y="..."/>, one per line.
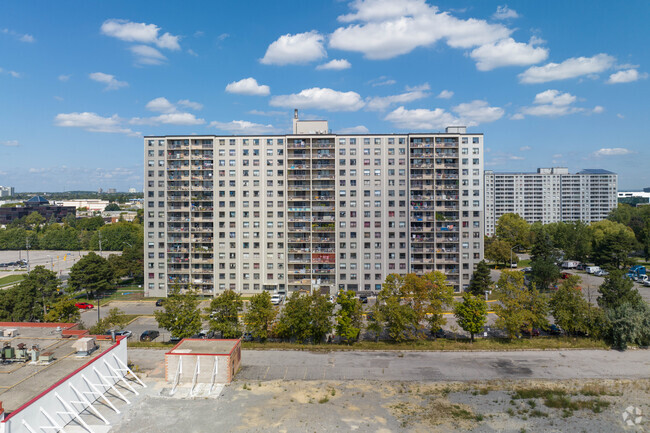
<point x="411" y="307"/>
<point x="608" y="243"/>
<point x="71" y="234"/>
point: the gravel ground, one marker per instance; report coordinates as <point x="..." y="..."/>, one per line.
<point x="372" y="406"/>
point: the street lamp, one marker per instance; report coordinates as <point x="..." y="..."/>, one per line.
<point x="511" y="253"/>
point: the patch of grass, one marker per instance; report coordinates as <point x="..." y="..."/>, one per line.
<point x="11" y="279"/>
<point x="459" y="412"/>
<point x="531" y="393"/>
<point x="479" y="417"/>
<point x="324" y="400"/>
<point x="246" y="387"/>
<point x="532" y="404"/>
<point x="333" y="392"/>
<point x="150" y="344"/>
<point x="492" y="344"/>
<point x="598" y="390"/>
<point x="538" y="414"/>
<point x="510" y="411"/>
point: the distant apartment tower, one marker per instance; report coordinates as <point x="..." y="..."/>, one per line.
<point x="311" y="210"/>
<point x="550" y="195"/>
<point x="6" y="191"/>
<point x="132" y="190"/>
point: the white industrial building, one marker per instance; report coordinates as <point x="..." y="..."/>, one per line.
<point x="550" y="195"/>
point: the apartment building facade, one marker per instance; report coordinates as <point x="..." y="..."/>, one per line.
<point x="311" y="210"/>
<point x="550" y="195"/>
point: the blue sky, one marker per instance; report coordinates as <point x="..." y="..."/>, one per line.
<point x="550" y="83"/>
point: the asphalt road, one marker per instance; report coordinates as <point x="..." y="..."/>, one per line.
<point x="444" y="366"/>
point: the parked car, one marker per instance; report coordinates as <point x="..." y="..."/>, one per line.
<point x="592" y="269"/>
<point x="247" y="336"/>
<point x="173" y="339"/>
<point x="275" y="299"/>
<point x="646" y="283"/>
<point x="581" y="267"/>
<point x="440" y="333"/>
<point x="282" y="294"/>
<point x="84" y="305"/>
<point x="160" y="302"/>
<point x="149" y="335"/>
<point x="527" y="269"/>
<point x="554" y="329"/>
<point x="601" y="273"/>
<point x="122" y="333"/>
<point x="363" y="299"/>
<point x="526" y="330"/>
<point x="513" y="265"/>
<point x="565" y="275"/>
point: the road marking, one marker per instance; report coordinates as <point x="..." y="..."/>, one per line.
<point x="267" y="372"/>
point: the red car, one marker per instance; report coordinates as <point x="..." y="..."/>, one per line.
<point x="84" y="305"/>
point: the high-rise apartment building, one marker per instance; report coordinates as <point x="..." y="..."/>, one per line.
<point x="6" y="191"/>
<point x="311" y="210"/>
<point x="550" y="195"/>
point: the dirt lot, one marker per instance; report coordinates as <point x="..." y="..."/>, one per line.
<point x="371" y="406"/>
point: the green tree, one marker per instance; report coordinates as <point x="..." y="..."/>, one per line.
<point x="181" y="315"/>
<point x="295" y="323"/>
<point x="471" y="314"/>
<point x="571" y="237"/>
<point x="34" y="221"/>
<point x="440" y="295"/>
<point x="260" y="316"/>
<point x="320" y="311"/>
<point x="481" y="280"/>
<point x="111" y="207"/>
<point x="224" y="314"/>
<point x="617" y="290"/>
<point x="569" y="308"/>
<point x="63" y="311"/>
<point x="92" y="273"/>
<point x="544" y="258"/>
<point x="628" y="324"/>
<point x="612" y="244"/>
<point x="513" y="229"/>
<point x="115" y="319"/>
<point x="391" y="313"/>
<point x="497" y="251"/>
<point x="117" y="236"/>
<point x="348" y="317"/>
<point x="517" y="306"/>
<point x="90" y="224"/>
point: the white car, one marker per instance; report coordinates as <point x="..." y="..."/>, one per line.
<point x="276" y="299"/>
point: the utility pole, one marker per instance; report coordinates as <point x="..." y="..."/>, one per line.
<point x="99" y="299"/>
<point x="27" y="248"/>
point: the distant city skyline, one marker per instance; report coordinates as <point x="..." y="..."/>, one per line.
<point x="553" y="84"/>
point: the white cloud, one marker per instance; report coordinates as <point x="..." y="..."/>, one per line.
<point x="243" y="127"/>
<point x="525" y="148"/>
<point x="380" y="10"/>
<point x="10" y="143"/>
<point x="27" y="38"/>
<point x="470" y="114"/>
<point x="379" y="103"/>
<point x="169" y="119"/>
<point x="111" y="82"/>
<point x="550" y="103"/>
<point x="92" y="122"/>
<point x="507" y="52"/>
<point x="570" y="68"/>
<point x="359" y="129"/>
<point x="445" y="94"/>
<point x="22" y="37"/>
<point x="320" y="98"/>
<point x="504" y="13"/>
<point x="146" y="55"/>
<point x="335" y="65"/>
<point x="516" y="158"/>
<point x="248" y="86"/>
<point x="9" y="72"/>
<point x="160" y="105"/>
<point x="612" y="151"/>
<point x="620" y="116"/>
<point x="190" y="104"/>
<point x="381" y="81"/>
<point x="626" y="76"/>
<point x="476" y="112"/>
<point x="419" y="87"/>
<point x="554" y="97"/>
<point x="64" y="77"/>
<point x="421" y="118"/>
<point x="598" y="109"/>
<point x="389" y="28"/>
<point x="295" y="49"/>
<point x="141" y="33"/>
